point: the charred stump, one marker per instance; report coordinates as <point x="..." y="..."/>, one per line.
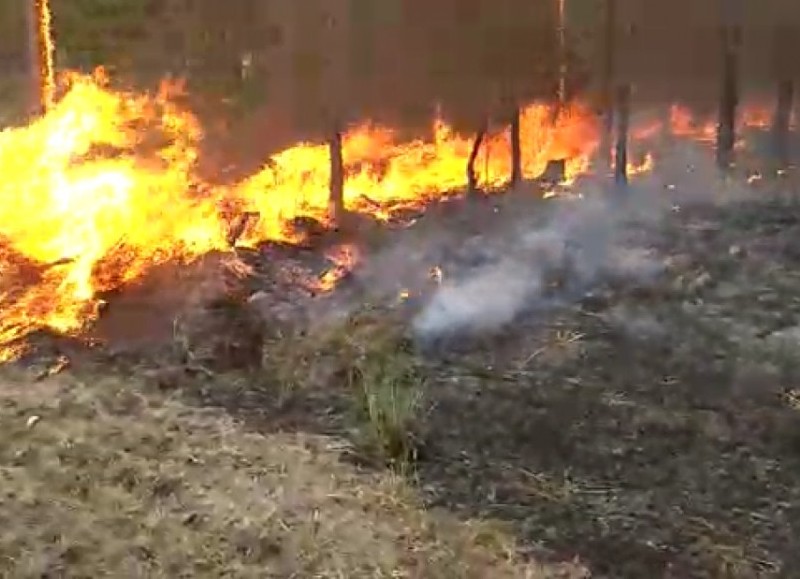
<point x="729" y="96"/>
<point x="623" y="126"/>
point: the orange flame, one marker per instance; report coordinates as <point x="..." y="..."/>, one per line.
<point x="344" y="257"/>
<point x="104" y="186"/>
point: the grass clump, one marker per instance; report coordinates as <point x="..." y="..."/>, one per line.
<point x="368" y="352"/>
<point x="386" y="381"/>
<point x="388" y="390"/>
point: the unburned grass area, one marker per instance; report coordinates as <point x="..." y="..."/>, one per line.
<point x="107" y="476"/>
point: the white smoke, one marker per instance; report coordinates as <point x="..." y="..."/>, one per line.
<point x="582" y="240"/>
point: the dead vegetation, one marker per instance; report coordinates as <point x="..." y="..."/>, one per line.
<point x="106" y="477"/>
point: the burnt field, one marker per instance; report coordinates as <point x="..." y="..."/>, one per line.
<point x="606" y="379"/>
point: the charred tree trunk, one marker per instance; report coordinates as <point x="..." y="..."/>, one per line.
<point x="782" y="49"/>
<point x="472" y="177"/>
<point x="516" y="147"/>
<point x="34" y="96"/>
<point x="44" y="66"/>
<point x="608" y="82"/>
<point x="336" y="199"/>
<point x="623" y="125"/>
<point x="780" y="128"/>
<point x="562" y="55"/>
<point x="729" y="96"/>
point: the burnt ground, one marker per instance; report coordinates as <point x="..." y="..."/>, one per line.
<point x="650" y="427"/>
<point x="650" y="434"/>
<point x="647" y="423"/>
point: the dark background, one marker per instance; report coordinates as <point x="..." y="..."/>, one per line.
<point x="314" y="61"/>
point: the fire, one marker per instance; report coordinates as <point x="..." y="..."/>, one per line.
<point x="344" y="258"/>
<point x="105" y="186"/>
<point x="684" y="124"/>
<point x="385" y="176"/>
<point x="86" y="209"/>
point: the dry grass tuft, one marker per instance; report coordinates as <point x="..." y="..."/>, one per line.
<point x="368" y="352"/>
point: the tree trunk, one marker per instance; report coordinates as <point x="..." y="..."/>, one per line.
<point x="44" y="69"/>
<point x="562" y="54"/>
<point x="623" y="124"/>
<point x="34" y="96"/>
<point x="782" y="69"/>
<point x="336" y="199"/>
<point x="516" y="147"/>
<point x="472" y="177"/>
<point x="608" y="82"/>
<point x="729" y="96"/>
<point x="783" y="116"/>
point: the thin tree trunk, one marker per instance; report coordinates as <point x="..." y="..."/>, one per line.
<point x="472" y="177"/>
<point x="516" y="147"/>
<point x="781" y="58"/>
<point x="45" y="72"/>
<point x="729" y="97"/>
<point x="623" y="125"/>
<point x="608" y="82"/>
<point x="562" y="54"/>
<point x="336" y="199"/>
<point x="783" y="116"/>
<point x="34" y="95"/>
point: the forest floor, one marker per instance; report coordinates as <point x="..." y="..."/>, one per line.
<point x="476" y="399"/>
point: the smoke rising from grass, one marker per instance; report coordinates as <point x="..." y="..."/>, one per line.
<point x="582" y="242"/>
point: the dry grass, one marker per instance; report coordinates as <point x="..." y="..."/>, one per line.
<point x="368" y="352"/>
<point x="104" y="477"/>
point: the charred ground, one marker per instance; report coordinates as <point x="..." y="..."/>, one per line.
<point x="647" y="425"/>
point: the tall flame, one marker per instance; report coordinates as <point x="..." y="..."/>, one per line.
<point x="104" y="186"/>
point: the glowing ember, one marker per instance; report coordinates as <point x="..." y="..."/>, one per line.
<point x="344" y="258"/>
